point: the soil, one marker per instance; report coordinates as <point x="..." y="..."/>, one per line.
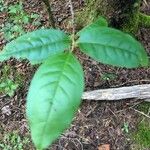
<point x="96" y="123"/>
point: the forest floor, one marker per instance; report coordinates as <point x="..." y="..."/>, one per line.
<point x="117" y="123"/>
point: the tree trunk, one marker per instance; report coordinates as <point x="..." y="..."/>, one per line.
<point x="122" y="14"/>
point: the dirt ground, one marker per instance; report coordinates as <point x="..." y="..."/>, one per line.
<point x="96" y="123"/>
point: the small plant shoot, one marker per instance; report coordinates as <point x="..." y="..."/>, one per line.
<point x="56" y="89"/>
<point x="16" y="21"/>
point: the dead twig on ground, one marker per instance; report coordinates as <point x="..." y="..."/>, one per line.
<point x="140" y="112"/>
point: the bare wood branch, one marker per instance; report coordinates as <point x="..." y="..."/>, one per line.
<point x="137" y="91"/>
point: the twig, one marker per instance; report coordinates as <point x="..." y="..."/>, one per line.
<point x="119" y="111"/>
<point x="141" y="113"/>
<point x="73" y="24"/>
<point x="51" y="18"/>
<point x="145" y="2"/>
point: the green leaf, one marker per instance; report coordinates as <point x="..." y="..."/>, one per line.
<point x="54" y="97"/>
<point x="25" y="19"/>
<point x="13" y="9"/>
<point x="100" y="22"/>
<point x="35" y="16"/>
<point x="36" y="46"/>
<point x="111" y="46"/>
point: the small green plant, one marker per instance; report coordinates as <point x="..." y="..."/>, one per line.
<point x="12" y="141"/>
<point x="36" y="19"/>
<point x="8" y="31"/>
<point x="108" y="76"/>
<point x="2" y="6"/>
<point x="125" y="127"/>
<point x="8" y="86"/>
<point x="18" y="18"/>
<point x="56" y="88"/>
<point x="18" y="15"/>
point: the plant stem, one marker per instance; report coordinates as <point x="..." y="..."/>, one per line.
<point x="73" y="24"/>
<point x="51" y="18"/>
<point x="144" y="20"/>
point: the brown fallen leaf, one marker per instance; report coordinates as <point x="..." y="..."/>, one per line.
<point x="104" y="147"/>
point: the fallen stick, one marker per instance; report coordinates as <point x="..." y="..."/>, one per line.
<point x="137" y="91"/>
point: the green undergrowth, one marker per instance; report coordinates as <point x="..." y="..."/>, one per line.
<point x="142" y="134"/>
<point x="8" y="84"/>
<point x="13" y="141"/>
<point x="17" y="20"/>
<point x="144" y="107"/>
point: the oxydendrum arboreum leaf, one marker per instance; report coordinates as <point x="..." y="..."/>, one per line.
<point x="53" y="98"/>
<point x="100" y="22"/>
<point x="113" y="47"/>
<point x="36" y="46"/>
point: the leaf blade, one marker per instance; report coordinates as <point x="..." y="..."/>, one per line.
<point x="113" y="47"/>
<point x="36" y="46"/>
<point x="59" y="82"/>
<point x="100" y="22"/>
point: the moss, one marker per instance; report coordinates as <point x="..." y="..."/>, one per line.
<point x="124" y="15"/>
<point x="131" y="26"/>
<point x="90" y="12"/>
<point x="127" y="19"/>
<point x="142" y="135"/>
<point x="130" y="20"/>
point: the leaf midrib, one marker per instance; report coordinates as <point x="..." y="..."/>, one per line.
<point x="115" y="48"/>
<point x="32" y="48"/>
<point x="57" y="85"/>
